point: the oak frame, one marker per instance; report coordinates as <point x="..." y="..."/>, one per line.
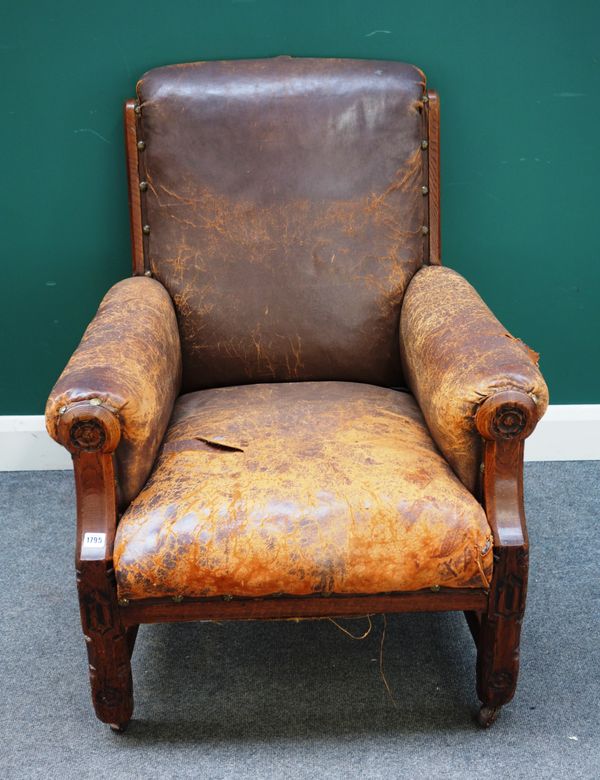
<point x="91" y="432"/>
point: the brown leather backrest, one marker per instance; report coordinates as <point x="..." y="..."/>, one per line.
<point x="284" y="212"/>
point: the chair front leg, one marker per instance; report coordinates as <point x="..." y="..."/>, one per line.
<point x="92" y="433"/>
<point x="500" y="633"/>
<point x="504" y="421"/>
<point x="108" y="645"/>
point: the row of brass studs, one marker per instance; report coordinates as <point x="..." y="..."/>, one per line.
<point x="424" y="188"/>
<point x="143" y="185"/>
<point x="178" y="599"/>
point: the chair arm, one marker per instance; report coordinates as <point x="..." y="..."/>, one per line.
<point x="455" y="356"/>
<point x="128" y="367"/>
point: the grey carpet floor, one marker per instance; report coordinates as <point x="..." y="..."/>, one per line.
<point x="293" y="700"/>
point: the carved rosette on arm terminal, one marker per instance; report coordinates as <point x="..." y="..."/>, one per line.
<point x="87" y="426"/>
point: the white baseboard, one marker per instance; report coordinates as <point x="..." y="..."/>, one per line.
<point x="569" y="432"/>
<point x="566" y="432"/>
<point x="26" y="446"/>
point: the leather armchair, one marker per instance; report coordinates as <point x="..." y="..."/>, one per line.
<point x="292" y="409"/>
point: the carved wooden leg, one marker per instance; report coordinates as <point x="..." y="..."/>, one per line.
<point x="91" y="432"/>
<point x="504" y="421"/>
<point x="499" y="633"/>
<point x="109" y="645"/>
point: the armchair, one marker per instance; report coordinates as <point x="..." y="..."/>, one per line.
<point x="292" y="409"/>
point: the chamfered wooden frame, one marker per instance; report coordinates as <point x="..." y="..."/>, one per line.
<point x="494" y="614"/>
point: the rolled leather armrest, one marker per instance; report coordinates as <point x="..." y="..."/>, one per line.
<point x="128" y="365"/>
<point x="455" y="355"/>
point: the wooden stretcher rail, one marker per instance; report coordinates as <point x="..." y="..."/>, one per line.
<point x="281" y="608"/>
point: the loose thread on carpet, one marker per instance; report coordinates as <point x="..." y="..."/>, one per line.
<point x="381" y="644"/>
<point x="352" y="636"/>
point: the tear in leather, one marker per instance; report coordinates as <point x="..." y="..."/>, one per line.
<point x="200" y="443"/>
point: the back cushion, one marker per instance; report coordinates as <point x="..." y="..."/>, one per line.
<point x="285" y="211"/>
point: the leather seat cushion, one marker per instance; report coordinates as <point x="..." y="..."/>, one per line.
<point x="300" y="488"/>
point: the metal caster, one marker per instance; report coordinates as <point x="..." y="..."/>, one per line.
<point x="118" y="728"/>
<point x="487" y="715"/>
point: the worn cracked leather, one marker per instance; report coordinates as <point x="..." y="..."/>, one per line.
<point x="455" y="354"/>
<point x="129" y="358"/>
<point x="285" y="211"/>
<point x="300" y="488"/>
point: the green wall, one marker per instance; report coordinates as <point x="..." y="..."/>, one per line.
<point x="520" y="88"/>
